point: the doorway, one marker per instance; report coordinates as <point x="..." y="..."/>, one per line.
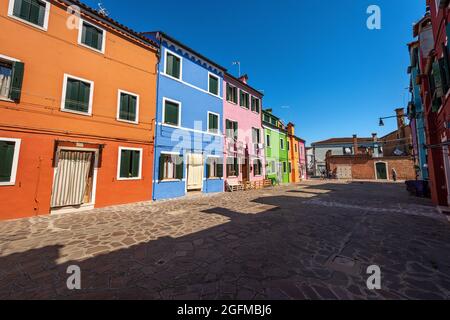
<point x="245" y="170"/>
<point x="74" y="181"/>
<point x="194" y="172"/>
<point x="381" y="171"/>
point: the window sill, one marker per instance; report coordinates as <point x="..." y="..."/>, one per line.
<point x="128" y="121"/>
<point x="93" y="49"/>
<point x="214" y="178"/>
<point x="6" y="100"/>
<point x="86" y="114"/>
<point x="7" y="184"/>
<point x="170" y="180"/>
<point x="129" y="179"/>
<point x="44" y="28"/>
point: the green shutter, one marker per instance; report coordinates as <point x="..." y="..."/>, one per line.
<point x="213" y="85"/>
<point x="6" y="160"/>
<point x="18" y="69"/>
<point x="444" y="74"/>
<point x="179" y="168"/>
<point x="162" y="160"/>
<point x="220" y="170"/>
<point x="135" y="163"/>
<point x="208" y="168"/>
<point x="171" y="113"/>
<point x="125" y="161"/>
<point x="437" y="79"/>
<point x="132" y="107"/>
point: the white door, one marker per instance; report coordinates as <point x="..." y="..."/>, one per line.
<point x="194" y="172"/>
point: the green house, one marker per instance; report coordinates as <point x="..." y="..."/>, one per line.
<point x="276" y="148"/>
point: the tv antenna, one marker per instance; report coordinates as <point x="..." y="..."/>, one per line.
<point x="102" y="10"/>
<point x="237" y="63"/>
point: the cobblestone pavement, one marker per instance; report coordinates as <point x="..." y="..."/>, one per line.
<point x="276" y="243"/>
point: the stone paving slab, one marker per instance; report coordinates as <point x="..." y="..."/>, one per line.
<point x="277" y="243"/>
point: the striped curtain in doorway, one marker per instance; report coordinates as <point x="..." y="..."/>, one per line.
<point x="72" y="173"/>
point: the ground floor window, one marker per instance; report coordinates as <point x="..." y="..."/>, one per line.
<point x="232" y="167"/>
<point x="273" y="166"/>
<point x="9" y="157"/>
<point x="170" y="167"/>
<point x="257" y="167"/>
<point x="214" y="168"/>
<point x="130" y="163"/>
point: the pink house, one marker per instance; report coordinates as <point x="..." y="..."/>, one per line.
<point x="302" y="160"/>
<point x="244" y="135"/>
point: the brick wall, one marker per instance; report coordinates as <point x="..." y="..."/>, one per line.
<point x="363" y="166"/>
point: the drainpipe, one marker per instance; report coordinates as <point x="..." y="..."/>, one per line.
<point x="156" y="117"/>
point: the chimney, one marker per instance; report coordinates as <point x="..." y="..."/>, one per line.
<point x="400" y="118"/>
<point x="269" y="110"/>
<point x="244" y="79"/>
<point x="355" y="144"/>
<point x="375" y="137"/>
<point x="291" y="128"/>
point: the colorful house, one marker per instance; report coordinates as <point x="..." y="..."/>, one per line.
<point x="302" y="158"/>
<point x="416" y="107"/>
<point x="77" y="101"/>
<point x="293" y="154"/>
<point x="244" y="142"/>
<point x="189" y="133"/>
<point x="277" y="160"/>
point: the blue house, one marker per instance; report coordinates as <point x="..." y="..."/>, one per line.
<point x="189" y="148"/>
<point x="416" y="113"/>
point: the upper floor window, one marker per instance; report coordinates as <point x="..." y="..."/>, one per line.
<point x="231" y="129"/>
<point x="171" y="112"/>
<point x="348" y="151"/>
<point x="268" y="140"/>
<point x="213" y="123"/>
<point x="128" y="107"/>
<point x="232" y="94"/>
<point x="295" y="148"/>
<point x="288" y="146"/>
<point x="34" y="12"/>
<point x="9" y="157"/>
<point x="77" y="95"/>
<point x="11" y="78"/>
<point x="91" y="36"/>
<point x="282" y="144"/>
<point x="213" y="84"/>
<point x="173" y="65"/>
<point x="244" y="99"/>
<point x="256" y="104"/>
<point x="266" y="118"/>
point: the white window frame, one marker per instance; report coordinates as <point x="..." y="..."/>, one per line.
<point x="166" y="52"/>
<point x="218" y="123"/>
<point x="80" y="34"/>
<point x="253" y="97"/>
<point x="8" y="60"/>
<point x="226" y="166"/>
<point x="12" y="180"/>
<point x="120" y="91"/>
<point x="215" y="169"/>
<point x="261" y="169"/>
<point x="119" y="163"/>
<point x="210" y="74"/>
<point x="268" y="140"/>
<point x="249" y="100"/>
<point x="64" y="91"/>
<point x="237" y="94"/>
<point x="46" y="17"/>
<point x="164" y="112"/>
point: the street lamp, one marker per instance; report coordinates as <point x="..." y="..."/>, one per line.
<point x="381" y="124"/>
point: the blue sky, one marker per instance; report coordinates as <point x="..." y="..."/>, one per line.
<point x="318" y="64"/>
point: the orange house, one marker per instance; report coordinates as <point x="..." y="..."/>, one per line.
<point x="77" y="107"/>
<point x="294" y="155"/>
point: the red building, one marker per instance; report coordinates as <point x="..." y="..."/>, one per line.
<point x="435" y="91"/>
